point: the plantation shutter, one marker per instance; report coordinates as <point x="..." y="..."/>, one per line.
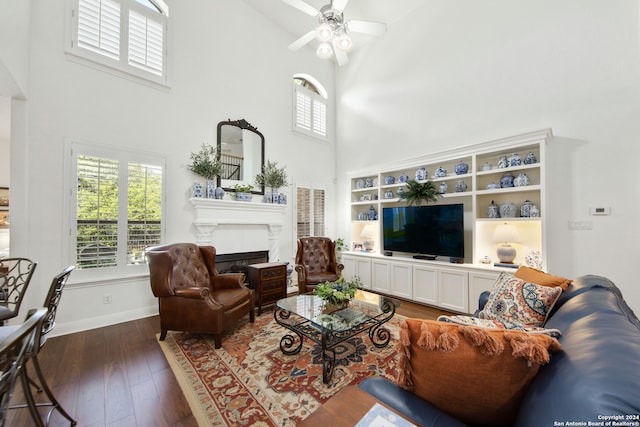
<point x="144" y="214"/>
<point x="304" y="212"/>
<point x="310" y="112"/>
<point x="310" y="212"/>
<point x="97" y="212"/>
<point x="303" y="110"/>
<point x="99" y="27"/>
<point x="146" y="42"/>
<point x="319" y="117"/>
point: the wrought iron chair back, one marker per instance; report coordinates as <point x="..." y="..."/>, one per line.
<point x="15" y="276"/>
<point x="13" y="354"/>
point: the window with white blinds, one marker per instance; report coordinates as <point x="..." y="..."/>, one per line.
<point x="127" y="35"/>
<point x="310" y="111"/>
<point x="116" y="207"/>
<point x="310" y="216"/>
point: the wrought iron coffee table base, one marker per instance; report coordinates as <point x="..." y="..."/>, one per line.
<point x="328" y="339"/>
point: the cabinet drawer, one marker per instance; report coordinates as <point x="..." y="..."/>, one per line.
<point x="273" y="284"/>
<point x="269" y="298"/>
<point x="273" y="273"/>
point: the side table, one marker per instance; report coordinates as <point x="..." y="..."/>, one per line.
<point x="269" y="281"/>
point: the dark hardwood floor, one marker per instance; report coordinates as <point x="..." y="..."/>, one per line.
<point x="117" y="376"/>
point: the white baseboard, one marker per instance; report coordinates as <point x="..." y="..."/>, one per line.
<point x="102" y="321"/>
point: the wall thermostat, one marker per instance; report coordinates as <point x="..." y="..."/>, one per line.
<point x="600" y="210"/>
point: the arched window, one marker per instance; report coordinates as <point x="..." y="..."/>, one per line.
<point x="309" y="106"/>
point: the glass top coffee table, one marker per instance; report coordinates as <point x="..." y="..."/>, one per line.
<point x="309" y="316"/>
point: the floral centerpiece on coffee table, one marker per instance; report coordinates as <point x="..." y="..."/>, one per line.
<point x="337" y="295"/>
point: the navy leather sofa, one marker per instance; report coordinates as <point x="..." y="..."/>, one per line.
<point x="594" y="379"/>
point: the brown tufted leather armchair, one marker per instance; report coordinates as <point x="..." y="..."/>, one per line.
<point x="192" y="296"/>
<point x="316" y="262"/>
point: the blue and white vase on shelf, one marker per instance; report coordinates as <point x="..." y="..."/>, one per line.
<point x="521" y="180"/>
<point x="503" y="162"/>
<point x="389" y="180"/>
<point x="211" y="189"/>
<point x="403" y="177"/>
<point x="368" y="183"/>
<point x="461" y="187"/>
<point x="493" y="211"/>
<point x="360" y="183"/>
<point x="507" y="180"/>
<point x="530" y="159"/>
<point x="525" y="209"/>
<point x="388" y="194"/>
<point x="421" y="174"/>
<point x="372" y="215"/>
<point x="440" y="172"/>
<point x="515" y="160"/>
<point x="400" y="191"/>
<point x="197" y="189"/>
<point x="508" y="210"/>
<point x="461" y="168"/>
<point x="492" y="186"/>
<point x="219" y="193"/>
<point x="443" y="187"/>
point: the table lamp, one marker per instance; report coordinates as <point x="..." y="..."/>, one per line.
<point x="369" y="232"/>
<point x="505" y="234"/>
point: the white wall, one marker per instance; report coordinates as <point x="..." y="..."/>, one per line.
<point x="228" y="62"/>
<point x="460" y="72"/>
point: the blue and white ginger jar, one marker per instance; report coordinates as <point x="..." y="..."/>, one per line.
<point x="521" y="180"/>
<point x="503" y="162"/>
<point x="421" y="174"/>
<point x="461" y="168"/>
<point x="388" y="194"/>
<point x="443" y="187"/>
<point x="389" y="180"/>
<point x="440" y="172"/>
<point x="493" y="211"/>
<point x="506" y="180"/>
<point x="403" y="177"/>
<point x="372" y="215"/>
<point x="508" y="210"/>
<point x="515" y="160"/>
<point x="530" y="159"/>
<point x="525" y="209"/>
<point x="461" y="187"/>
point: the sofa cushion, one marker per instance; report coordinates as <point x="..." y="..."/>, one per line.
<point x="517" y="303"/>
<point x="539" y="277"/>
<point x="598" y="372"/>
<point x="476" y="375"/>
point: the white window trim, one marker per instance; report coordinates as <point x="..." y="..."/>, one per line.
<point x="105" y="274"/>
<point x="314" y="97"/>
<point x="119" y="68"/>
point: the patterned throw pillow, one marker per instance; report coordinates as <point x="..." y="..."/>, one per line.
<point x="517" y="303"/>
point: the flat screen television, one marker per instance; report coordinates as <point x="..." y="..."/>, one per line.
<point x="431" y="230"/>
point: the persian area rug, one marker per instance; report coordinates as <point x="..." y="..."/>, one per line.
<point x="249" y="382"/>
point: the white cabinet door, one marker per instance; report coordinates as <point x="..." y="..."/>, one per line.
<point x="453" y="289"/>
<point x="355" y="266"/>
<point x="349" y="271"/>
<point x="425" y="284"/>
<point x="381" y="277"/>
<point x="363" y="269"/>
<point x="480" y="281"/>
<point x="401" y="283"/>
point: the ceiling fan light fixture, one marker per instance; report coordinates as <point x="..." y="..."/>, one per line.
<point x="324" y="51"/>
<point x="324" y="32"/>
<point x="344" y="42"/>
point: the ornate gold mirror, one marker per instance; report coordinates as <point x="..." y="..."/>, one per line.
<point x="241" y="151"/>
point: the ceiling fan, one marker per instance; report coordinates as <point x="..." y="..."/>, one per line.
<point x="332" y="31"/>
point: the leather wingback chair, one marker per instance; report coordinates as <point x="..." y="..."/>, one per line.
<point x="316" y="262"/>
<point x="192" y="296"/>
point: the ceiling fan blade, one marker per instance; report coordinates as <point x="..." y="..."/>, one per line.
<point x="303" y="40"/>
<point x="367" y="27"/>
<point x="304" y="7"/>
<point x="341" y="55"/>
<point x="339" y="5"/>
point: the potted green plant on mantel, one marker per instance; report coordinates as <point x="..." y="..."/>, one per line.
<point x="243" y="192"/>
<point x="206" y="164"/>
<point x="272" y="177"/>
<point x="417" y="192"/>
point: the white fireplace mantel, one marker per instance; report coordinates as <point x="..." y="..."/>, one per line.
<point x="212" y="213"/>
